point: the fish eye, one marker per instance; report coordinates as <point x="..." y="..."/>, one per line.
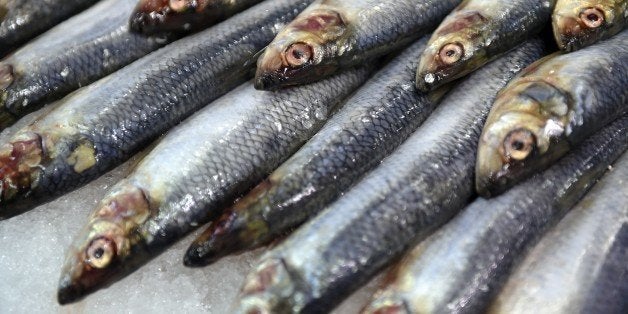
<point x="519" y="144"/>
<point x="592" y="17"/>
<point x="451" y="53"/>
<point x="100" y="252"/>
<point x="182" y="5"/>
<point x="299" y="54"/>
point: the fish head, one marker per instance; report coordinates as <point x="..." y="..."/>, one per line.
<point x="580" y="23"/>
<point x="304" y="52"/>
<point x="101" y="253"/>
<point x="155" y="16"/>
<point x="456" y="49"/>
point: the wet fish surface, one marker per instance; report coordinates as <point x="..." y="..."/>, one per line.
<point x="373" y="122"/>
<point x="75" y="53"/>
<point x="183" y="16"/>
<point x="490" y="236"/>
<point x="580" y="265"/>
<point x="220" y="153"/>
<point x="332" y="35"/>
<point x="580" y="23"/>
<point x="105" y="123"/>
<point x="414" y="191"/>
<point x="21" y="20"/>
<point x="476" y="32"/>
<point x="553" y="105"/>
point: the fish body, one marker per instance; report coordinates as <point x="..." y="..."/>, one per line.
<point x="580" y="265"/>
<point x="183" y="16"/>
<point x="332" y="35"/>
<point x="461" y="267"/>
<point x="415" y="190"/>
<point x="198" y="168"/>
<point x="75" y="53"/>
<point x="21" y="20"/>
<point x="553" y="105"/>
<point x="372" y="123"/>
<point x="102" y="125"/>
<point x="476" y="32"/>
<point x="580" y="23"/>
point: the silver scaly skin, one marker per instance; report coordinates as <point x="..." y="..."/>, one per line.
<point x="420" y="186"/>
<point x="102" y="125"/>
<point x="373" y="122"/>
<point x="75" y="53"/>
<point x="196" y="170"/>
<point x="462" y="267"/>
<point x="580" y="265"/>
<point x="476" y="32"/>
<point x="21" y="20"/>
<point x="331" y="35"/>
<point x="552" y="106"/>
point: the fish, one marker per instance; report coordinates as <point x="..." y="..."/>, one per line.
<point x="476" y="32"/>
<point x="217" y="155"/>
<point x="462" y="266"/>
<point x="75" y="53"/>
<point x="552" y="106"/>
<point x="580" y="23"/>
<point x="22" y="20"/>
<point x="332" y="35"/>
<point x="414" y="191"/>
<point x="105" y="123"/>
<point x="580" y="265"/>
<point x="183" y="16"/>
<point x="368" y="127"/>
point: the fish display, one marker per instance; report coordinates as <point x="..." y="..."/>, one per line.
<point x="75" y="53"/>
<point x="21" y="20"/>
<point x="183" y="16"/>
<point x="580" y="23"/>
<point x="487" y="239"/>
<point x="373" y="122"/>
<point x="331" y="35"/>
<point x="552" y="106"/>
<point x="580" y="265"/>
<point x="104" y="124"/>
<point x="415" y="190"/>
<point x="476" y="32"/>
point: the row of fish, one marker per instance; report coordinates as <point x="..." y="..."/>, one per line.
<point x="363" y="212"/>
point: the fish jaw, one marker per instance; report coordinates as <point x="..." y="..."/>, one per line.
<point x="108" y="248"/>
<point x="155" y="16"/>
<point x="581" y="23"/>
<point x="303" y="52"/>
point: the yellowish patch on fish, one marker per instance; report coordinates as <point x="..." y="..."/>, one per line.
<point x="83" y="157"/>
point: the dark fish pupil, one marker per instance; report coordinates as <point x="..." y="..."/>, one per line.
<point x="592" y="17"/>
<point x="99" y="253"/>
<point x="450" y="53"/>
<point x="518" y="145"/>
<point x="297" y="54"/>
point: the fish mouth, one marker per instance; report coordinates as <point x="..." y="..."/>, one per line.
<point x="69" y="292"/>
<point x="286" y="77"/>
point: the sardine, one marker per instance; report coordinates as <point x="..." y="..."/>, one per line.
<point x="567" y="271"/>
<point x="104" y="124"/>
<point x="415" y="190"/>
<point x="580" y="23"/>
<point x="214" y="157"/>
<point x="475" y="33"/>
<point x="75" y="53"/>
<point x="552" y="106"/>
<point x="373" y="122"/>
<point x="183" y="16"/>
<point x="331" y="35"/>
<point x="461" y="267"/>
<point x="21" y="20"/>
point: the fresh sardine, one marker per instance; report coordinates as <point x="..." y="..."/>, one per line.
<point x="580" y="23"/>
<point x="104" y="124"/>
<point x="476" y="32"/>
<point x="552" y="106"/>
<point x="414" y="191"/>
<point x="461" y="267"/>
<point x="567" y="271"/>
<point x="183" y="16"/>
<point x="331" y="35"/>
<point x="373" y="122"/>
<point x="216" y="156"/>
<point x="21" y="20"/>
<point x="75" y="53"/>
